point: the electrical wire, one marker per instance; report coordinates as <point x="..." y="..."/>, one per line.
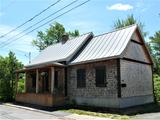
<point x="46" y="23"/>
<point x="38" y="22"/>
<point x="30" y="19"/>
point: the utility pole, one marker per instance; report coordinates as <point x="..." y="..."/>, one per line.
<point x="29" y="55"/>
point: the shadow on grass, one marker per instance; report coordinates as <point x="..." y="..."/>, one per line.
<point x="131" y="111"/>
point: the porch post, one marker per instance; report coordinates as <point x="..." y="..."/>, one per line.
<point x="52" y="79"/>
<point x="17" y="78"/>
<point x="37" y="81"/>
<point x="25" y="85"/>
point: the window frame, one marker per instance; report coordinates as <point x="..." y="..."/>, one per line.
<point x="81" y="77"/>
<point x="104" y="81"/>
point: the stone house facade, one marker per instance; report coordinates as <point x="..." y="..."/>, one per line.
<point x="110" y="70"/>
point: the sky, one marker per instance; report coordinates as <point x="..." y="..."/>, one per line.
<point x="97" y="16"/>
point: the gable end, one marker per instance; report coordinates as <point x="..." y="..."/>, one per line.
<point x="137" y="50"/>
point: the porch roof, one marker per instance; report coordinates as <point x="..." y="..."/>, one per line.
<point x="38" y="66"/>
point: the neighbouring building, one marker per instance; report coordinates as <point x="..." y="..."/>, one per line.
<point x="110" y="70"/>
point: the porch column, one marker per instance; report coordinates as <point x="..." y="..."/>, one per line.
<point x="17" y="78"/>
<point x="37" y="81"/>
<point x="52" y="79"/>
<point x="25" y="81"/>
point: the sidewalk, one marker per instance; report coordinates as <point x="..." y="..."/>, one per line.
<point x="59" y="114"/>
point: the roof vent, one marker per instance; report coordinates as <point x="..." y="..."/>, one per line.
<point x="65" y="37"/>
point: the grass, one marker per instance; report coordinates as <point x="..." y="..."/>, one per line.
<point x="97" y="114"/>
<point x="122" y="114"/>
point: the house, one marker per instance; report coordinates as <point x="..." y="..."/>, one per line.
<point x="110" y="70"/>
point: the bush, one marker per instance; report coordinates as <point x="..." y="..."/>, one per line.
<point x="20" y="86"/>
<point x="157" y="87"/>
<point x="8" y="67"/>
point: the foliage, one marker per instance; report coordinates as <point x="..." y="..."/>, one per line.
<point x="157" y="87"/>
<point x="8" y="66"/>
<point x="130" y="20"/>
<point x="155" y="43"/>
<point x="51" y="36"/>
<point x="20" y="86"/>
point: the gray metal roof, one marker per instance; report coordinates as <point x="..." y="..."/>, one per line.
<point x="60" y="51"/>
<point x="109" y="45"/>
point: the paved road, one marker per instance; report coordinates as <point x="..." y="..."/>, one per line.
<point x="148" y="116"/>
<point x="14" y="113"/>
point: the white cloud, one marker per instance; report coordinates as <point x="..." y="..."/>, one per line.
<point x="120" y="7"/>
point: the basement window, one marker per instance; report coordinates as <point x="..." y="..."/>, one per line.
<point x="81" y="78"/>
<point x="100" y="76"/>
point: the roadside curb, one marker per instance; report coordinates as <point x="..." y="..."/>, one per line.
<point x="27" y="108"/>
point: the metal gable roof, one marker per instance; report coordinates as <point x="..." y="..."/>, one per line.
<point x="109" y="45"/>
<point x="60" y="51"/>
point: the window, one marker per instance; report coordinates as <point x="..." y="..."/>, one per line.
<point x="101" y="76"/>
<point x="56" y="79"/>
<point x="81" y="78"/>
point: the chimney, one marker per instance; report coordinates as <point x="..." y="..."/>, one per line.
<point x="65" y="37"/>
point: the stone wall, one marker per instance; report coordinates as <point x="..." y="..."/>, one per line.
<point x="91" y="91"/>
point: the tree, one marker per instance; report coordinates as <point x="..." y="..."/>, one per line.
<point x="52" y="35"/>
<point x="130" y="20"/>
<point x="155" y="42"/>
<point x="8" y="66"/>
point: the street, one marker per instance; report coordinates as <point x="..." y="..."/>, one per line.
<point x="14" y="113"/>
<point x="11" y="113"/>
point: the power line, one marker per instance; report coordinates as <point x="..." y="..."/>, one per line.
<point x="10" y="39"/>
<point x="21" y="53"/>
<point x="46" y="22"/>
<point x="30" y="19"/>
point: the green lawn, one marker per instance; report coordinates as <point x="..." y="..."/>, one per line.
<point x="107" y="115"/>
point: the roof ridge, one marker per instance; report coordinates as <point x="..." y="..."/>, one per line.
<point x="72" y="38"/>
<point x="116" y="30"/>
<point x="81" y="35"/>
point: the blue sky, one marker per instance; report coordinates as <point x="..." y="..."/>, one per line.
<point x="97" y="16"/>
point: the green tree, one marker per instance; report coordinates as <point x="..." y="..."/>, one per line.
<point x="130" y="20"/>
<point x="155" y="42"/>
<point x="157" y="87"/>
<point x="51" y="36"/>
<point x="8" y="66"/>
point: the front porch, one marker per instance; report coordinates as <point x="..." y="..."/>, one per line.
<point x="44" y="85"/>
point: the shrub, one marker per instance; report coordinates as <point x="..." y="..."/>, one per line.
<point x="20" y="86"/>
<point x="157" y="87"/>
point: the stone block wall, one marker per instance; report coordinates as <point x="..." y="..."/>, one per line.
<point x="91" y="91"/>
